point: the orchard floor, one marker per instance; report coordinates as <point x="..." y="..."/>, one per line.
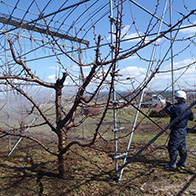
<point x="32" y="171"/>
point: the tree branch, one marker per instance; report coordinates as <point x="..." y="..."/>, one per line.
<point x="30" y="138"/>
<point x="28" y="71"/>
<point x="35" y="105"/>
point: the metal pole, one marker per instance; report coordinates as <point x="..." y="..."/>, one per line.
<point x="7" y="95"/>
<point x="147" y="11"/>
<point x="36" y="117"/>
<point x="81" y="79"/>
<point x="19" y="140"/>
<point x="155" y="138"/>
<point x="142" y="93"/>
<point x="171" y="42"/>
<point x="114" y="92"/>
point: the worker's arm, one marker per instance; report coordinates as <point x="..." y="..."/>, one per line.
<point x="192" y="116"/>
<point x="168" y="107"/>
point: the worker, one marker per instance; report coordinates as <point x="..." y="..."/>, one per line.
<point x="177" y="140"/>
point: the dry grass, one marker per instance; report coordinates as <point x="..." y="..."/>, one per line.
<point x="32" y="171"/>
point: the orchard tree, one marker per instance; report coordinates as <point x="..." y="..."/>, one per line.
<point x="102" y="69"/>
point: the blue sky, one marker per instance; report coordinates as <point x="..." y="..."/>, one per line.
<point x="47" y="67"/>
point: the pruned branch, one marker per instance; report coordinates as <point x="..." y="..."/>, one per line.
<point x="32" y="78"/>
<point x="35" y="105"/>
<point x="30" y="138"/>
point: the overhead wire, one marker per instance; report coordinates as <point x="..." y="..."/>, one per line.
<point x="56" y="13"/>
<point x="90" y="26"/>
<point x="15" y="7"/>
<point x="102" y="45"/>
<point x="24" y="10"/>
<point x="47" y="15"/>
<point x="50" y="55"/>
<point x="66" y="16"/>
<point x="43" y="9"/>
<point x="27" y="10"/>
<point x="85" y="10"/>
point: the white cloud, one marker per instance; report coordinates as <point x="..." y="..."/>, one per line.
<point x="180" y="63"/>
<point x="52" y="67"/>
<point x="189" y="31"/>
<point x="133" y="72"/>
<point x="164" y="79"/>
<point x="51" y="78"/>
<point x="131" y="58"/>
<point x="127" y="35"/>
<point x="137" y="74"/>
<point x="134" y="36"/>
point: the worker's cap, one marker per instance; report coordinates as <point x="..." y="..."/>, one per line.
<point x="180" y="94"/>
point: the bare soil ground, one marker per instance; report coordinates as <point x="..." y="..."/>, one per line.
<point x="31" y="171"/>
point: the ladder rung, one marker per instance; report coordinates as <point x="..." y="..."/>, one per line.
<point x="116" y="102"/>
<point x="123" y="155"/>
<point x="118" y="129"/>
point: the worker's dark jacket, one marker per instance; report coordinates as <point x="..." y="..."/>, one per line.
<point x="176" y="110"/>
<point x="177" y="141"/>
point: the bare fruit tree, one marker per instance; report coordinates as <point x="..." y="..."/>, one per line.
<point x="102" y="70"/>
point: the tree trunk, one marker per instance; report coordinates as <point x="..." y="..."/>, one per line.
<point x="62" y="166"/>
<point x="62" y="138"/>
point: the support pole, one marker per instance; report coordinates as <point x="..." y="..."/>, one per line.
<point x="7" y="94"/>
<point x="129" y="160"/>
<point x="28" y="129"/>
<point x="171" y="42"/>
<point x="147" y="11"/>
<point x="142" y="93"/>
<point x="113" y="92"/>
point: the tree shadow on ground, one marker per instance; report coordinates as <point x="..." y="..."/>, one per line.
<point x="22" y="174"/>
<point x="192" y="179"/>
